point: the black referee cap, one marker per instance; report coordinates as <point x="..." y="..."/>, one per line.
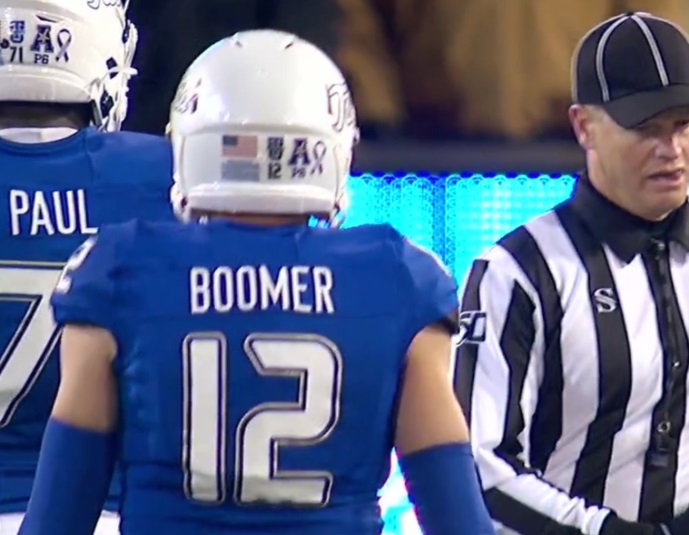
<point x="634" y="66"/>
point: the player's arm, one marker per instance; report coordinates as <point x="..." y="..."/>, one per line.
<point x="79" y="445"/>
<point x="431" y="439"/>
<point x="500" y="371"/>
<point x="432" y="442"/>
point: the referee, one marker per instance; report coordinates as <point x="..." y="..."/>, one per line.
<point x="574" y="368"/>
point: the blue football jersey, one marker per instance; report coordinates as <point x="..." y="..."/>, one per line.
<point x="258" y="368"/>
<point x="52" y="196"/>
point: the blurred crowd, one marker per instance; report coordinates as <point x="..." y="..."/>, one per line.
<point x="420" y="69"/>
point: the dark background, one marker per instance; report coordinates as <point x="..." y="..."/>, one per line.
<point x="440" y="86"/>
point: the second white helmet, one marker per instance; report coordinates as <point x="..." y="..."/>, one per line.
<point x="68" y="51"/>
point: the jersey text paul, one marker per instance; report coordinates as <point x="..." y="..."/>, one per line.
<point x="48" y="213"/>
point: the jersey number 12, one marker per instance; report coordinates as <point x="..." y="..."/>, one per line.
<point x="315" y="363"/>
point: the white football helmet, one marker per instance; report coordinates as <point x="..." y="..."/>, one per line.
<point x="68" y="51"/>
<point x="262" y="123"/>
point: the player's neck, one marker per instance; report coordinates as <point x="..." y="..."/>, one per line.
<point x="39" y="115"/>
<point x="255" y="219"/>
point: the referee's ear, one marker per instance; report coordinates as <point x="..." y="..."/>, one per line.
<point x="583" y="118"/>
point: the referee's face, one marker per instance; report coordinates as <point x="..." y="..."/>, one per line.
<point x="643" y="170"/>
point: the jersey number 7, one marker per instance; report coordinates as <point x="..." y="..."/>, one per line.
<point x="315" y="363"/>
<point x="34" y="339"/>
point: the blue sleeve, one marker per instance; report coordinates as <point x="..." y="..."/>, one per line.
<point x="434" y="289"/>
<point x="86" y="291"/>
<point x="71" y="483"/>
<point x="443" y="485"/>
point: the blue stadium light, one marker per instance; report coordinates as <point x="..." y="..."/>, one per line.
<point x="457" y="216"/>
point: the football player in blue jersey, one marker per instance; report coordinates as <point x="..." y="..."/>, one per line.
<point x="250" y="371"/>
<point x="64" y="170"/>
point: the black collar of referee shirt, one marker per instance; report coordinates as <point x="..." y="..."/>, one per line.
<point x="626" y="234"/>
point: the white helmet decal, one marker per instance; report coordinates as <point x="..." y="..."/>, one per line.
<point x="340" y="107"/>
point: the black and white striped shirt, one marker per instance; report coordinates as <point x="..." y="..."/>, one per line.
<point x="574" y="371"/>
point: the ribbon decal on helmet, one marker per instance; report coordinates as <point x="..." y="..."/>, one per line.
<point x="319" y="150"/>
<point x="64" y="41"/>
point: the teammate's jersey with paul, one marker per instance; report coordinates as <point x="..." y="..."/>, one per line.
<point x="52" y="196"/>
<point x="258" y="368"/>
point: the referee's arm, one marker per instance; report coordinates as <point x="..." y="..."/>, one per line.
<point x="499" y="372"/>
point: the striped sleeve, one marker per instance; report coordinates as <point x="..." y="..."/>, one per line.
<point x="500" y="374"/>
